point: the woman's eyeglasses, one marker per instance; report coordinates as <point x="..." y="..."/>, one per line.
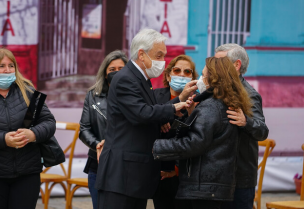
<point x="178" y="71"/>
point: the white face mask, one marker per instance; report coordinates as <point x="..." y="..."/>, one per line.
<point x="201" y="85"/>
<point x="156" y="69"/>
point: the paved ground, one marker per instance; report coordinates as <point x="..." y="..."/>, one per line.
<point x="85" y="202"/>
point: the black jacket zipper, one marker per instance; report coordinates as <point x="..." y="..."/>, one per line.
<point x="7" y="115"/>
<point x="188" y="167"/>
<point x="158" y="156"/>
<point x="10" y="129"/>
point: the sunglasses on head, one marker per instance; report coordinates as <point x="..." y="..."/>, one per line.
<point x="178" y="71"/>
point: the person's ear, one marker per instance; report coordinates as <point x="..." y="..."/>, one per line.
<point x="237" y="64"/>
<point x="168" y="77"/>
<point x="141" y="55"/>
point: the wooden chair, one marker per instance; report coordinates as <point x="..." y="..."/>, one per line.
<point x="53" y="179"/>
<point x="78" y="183"/>
<point x="290" y="204"/>
<point x="269" y="144"/>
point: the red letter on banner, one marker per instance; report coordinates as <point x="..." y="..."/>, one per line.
<point x="165" y="29"/>
<point x="10" y="28"/>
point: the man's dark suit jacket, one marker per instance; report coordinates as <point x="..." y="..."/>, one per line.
<point x="126" y="164"/>
<point x="163" y="96"/>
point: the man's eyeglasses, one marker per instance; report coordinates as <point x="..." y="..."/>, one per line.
<point x="178" y="71"/>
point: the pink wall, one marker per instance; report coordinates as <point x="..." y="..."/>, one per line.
<point x="279" y="91"/>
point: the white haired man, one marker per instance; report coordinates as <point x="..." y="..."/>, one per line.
<point x="127" y="173"/>
<point x="252" y="130"/>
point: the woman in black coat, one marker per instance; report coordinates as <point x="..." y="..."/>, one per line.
<point x="20" y="159"/>
<point x="207" y="152"/>
<point x="178" y="73"/>
<point x="93" y="121"/>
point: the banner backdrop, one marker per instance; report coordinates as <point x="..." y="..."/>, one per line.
<point x="169" y="17"/>
<point x="19" y="33"/>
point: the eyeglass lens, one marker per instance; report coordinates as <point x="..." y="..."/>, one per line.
<point x="177" y="71"/>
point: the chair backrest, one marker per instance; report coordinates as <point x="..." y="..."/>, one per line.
<point x="269" y="144"/>
<point x="71" y="147"/>
<point x="302" y="186"/>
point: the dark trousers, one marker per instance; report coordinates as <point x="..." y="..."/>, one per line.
<point x="205" y="204"/>
<point x="243" y="199"/>
<point x="21" y="192"/>
<point x="114" y="200"/>
<point x="93" y="191"/>
<point x="164" y="197"/>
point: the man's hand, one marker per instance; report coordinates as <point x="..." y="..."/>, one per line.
<point x="99" y="148"/>
<point x="237" y="115"/>
<point x="165" y="128"/>
<point x="165" y="174"/>
<point x="189" y="89"/>
<point x="191" y="104"/>
<point x="15" y="141"/>
<point x="179" y="107"/>
<point x="29" y="134"/>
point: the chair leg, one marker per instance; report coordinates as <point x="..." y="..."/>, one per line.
<point x="68" y="203"/>
<point x="71" y="195"/>
<point x="42" y="195"/>
<point x="46" y="195"/>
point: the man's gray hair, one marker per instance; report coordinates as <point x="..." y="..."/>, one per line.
<point x="145" y="40"/>
<point x="235" y="52"/>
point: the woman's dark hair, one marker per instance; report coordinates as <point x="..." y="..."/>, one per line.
<point x="100" y="84"/>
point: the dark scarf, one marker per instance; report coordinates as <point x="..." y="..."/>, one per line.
<point x="203" y="96"/>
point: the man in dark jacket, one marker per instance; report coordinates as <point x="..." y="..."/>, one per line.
<point x="252" y="130"/>
<point x="127" y="173"/>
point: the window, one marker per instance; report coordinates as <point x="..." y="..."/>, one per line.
<point x="229" y="22"/>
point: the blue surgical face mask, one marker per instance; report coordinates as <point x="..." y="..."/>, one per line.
<point x="178" y="83"/>
<point x="6" y="80"/>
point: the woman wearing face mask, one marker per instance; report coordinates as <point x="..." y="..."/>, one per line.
<point x="20" y="159"/>
<point x="207" y="152"/>
<point x="93" y="120"/>
<point x="179" y="72"/>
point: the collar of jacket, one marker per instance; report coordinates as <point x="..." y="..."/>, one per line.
<point x="11" y="88"/>
<point x="241" y="78"/>
<point x="136" y="72"/>
<point x="102" y="94"/>
<point x="203" y="96"/>
<point x="165" y="92"/>
<point x="143" y="80"/>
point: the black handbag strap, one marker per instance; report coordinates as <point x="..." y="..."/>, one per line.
<point x="39" y="106"/>
<point x="34" y="109"/>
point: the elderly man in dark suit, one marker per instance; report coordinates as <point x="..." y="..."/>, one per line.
<point x="127" y="174"/>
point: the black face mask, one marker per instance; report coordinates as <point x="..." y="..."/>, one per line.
<point x="110" y="76"/>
